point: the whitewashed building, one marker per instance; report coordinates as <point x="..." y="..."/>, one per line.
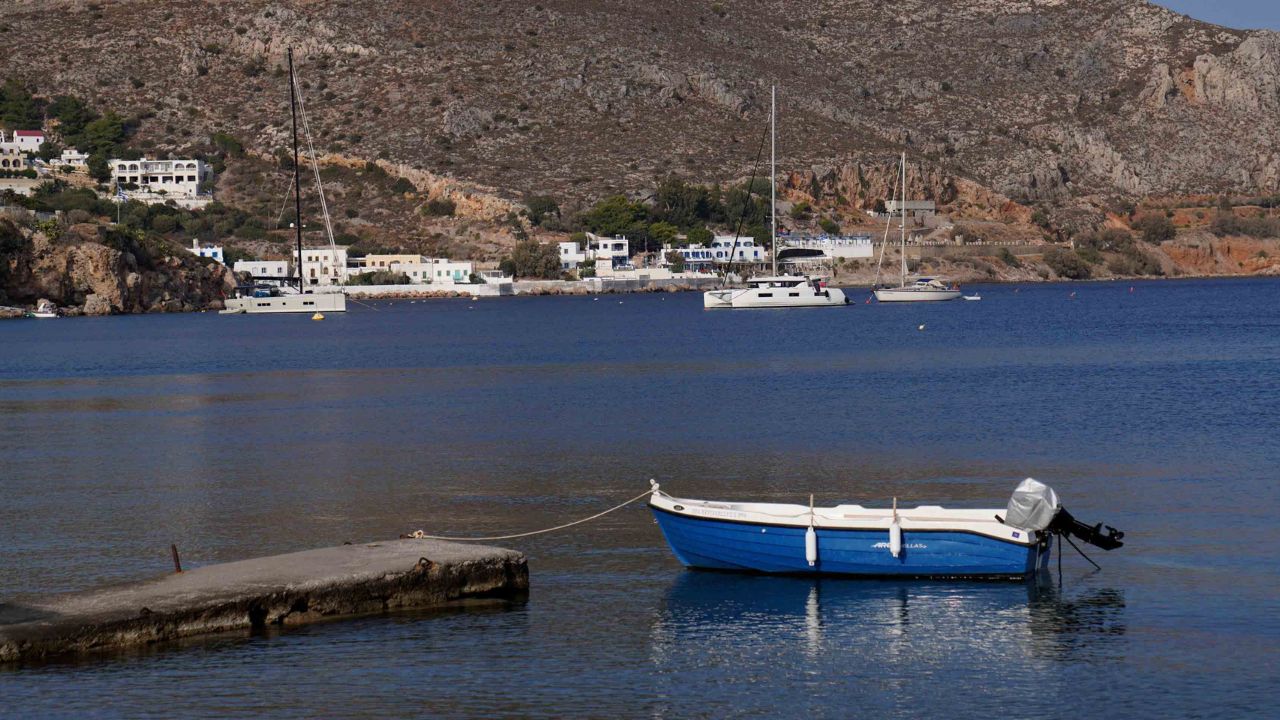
<point x="722" y="250"/>
<point x="609" y="253"/>
<point x="23" y="141"/>
<point x="323" y="265"/>
<point x="264" y="269"/>
<point x="207" y="250"/>
<point x="72" y="157"/>
<point x="450" y="272"/>
<point x="572" y="255"/>
<point x="158" y="181"/>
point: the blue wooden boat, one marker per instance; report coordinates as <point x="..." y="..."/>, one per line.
<point x="925" y="541"/>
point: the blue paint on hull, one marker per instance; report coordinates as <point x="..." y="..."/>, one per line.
<point x="752" y="547"/>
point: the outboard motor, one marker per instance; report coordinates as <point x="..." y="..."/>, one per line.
<point x="1035" y="506"/>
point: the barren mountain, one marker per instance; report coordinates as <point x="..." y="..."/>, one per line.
<point x="1041" y="101"/>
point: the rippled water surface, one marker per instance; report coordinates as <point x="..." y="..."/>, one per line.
<point x="1156" y="410"/>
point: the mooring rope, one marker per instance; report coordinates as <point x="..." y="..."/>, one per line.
<point x="420" y="535"/>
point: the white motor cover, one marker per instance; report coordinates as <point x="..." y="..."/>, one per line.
<point x="1032" y="506"/>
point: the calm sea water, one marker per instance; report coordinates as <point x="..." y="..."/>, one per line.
<point x="1156" y="410"/>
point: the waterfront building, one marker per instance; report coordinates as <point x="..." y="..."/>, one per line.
<point x="609" y="253"/>
<point x="323" y="265"/>
<point x="207" y="250"/>
<point x="264" y="269"/>
<point x="572" y="255"/>
<point x="451" y="272"/>
<point x="722" y="250"/>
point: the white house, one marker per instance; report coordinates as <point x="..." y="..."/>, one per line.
<point x="608" y="253"/>
<point x="264" y="269"/>
<point x="208" y="251"/>
<point x="28" y="140"/>
<point x="156" y="181"/>
<point x="323" y="265"/>
<point x="72" y="157"/>
<point x="720" y="251"/>
<point x="23" y="141"/>
<point x="450" y="272"/>
<point x="571" y="255"/>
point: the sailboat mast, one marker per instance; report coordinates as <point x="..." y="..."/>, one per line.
<point x="773" y="172"/>
<point x="297" y="182"/>
<point x="902" y="222"/>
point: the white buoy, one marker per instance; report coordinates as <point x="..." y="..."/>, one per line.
<point x="921" y="328"/>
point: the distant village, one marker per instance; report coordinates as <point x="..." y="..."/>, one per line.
<point x="185" y="183"/>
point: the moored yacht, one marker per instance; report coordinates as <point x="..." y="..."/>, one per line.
<point x="923" y="289"/>
<point x="254" y="299"/>
<point x="776" y="291"/>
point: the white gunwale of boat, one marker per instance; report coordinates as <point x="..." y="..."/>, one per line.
<point x="980" y="521"/>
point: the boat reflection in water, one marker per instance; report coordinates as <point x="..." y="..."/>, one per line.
<point x="877" y="642"/>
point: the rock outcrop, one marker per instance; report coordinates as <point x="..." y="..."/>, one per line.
<point x="98" y="270"/>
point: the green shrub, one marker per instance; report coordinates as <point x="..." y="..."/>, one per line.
<point x="1155" y="228"/>
<point x="1008" y="258"/>
<point x="829" y="226"/>
<point x="403" y="185"/>
<point x="1067" y="264"/>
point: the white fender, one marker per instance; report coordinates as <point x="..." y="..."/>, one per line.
<point x="895" y="538"/>
<point x="811" y="546"/>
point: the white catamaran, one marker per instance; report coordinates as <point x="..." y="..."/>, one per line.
<point x="254" y="299"/>
<point x="776" y="291"/>
<point x="923" y="289"/>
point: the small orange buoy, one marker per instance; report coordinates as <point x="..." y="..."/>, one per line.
<point x="317" y="316"/>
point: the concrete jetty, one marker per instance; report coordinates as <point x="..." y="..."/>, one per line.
<point x="251" y="595"/>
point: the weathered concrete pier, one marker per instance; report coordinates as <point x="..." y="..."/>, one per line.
<point x="253" y="594"/>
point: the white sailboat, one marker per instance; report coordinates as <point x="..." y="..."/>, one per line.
<point x="922" y="289"/>
<point x="775" y="291"/>
<point x="255" y="300"/>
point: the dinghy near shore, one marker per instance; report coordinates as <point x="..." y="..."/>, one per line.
<point x="925" y="541"/>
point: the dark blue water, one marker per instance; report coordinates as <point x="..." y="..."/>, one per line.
<point x="1157" y="411"/>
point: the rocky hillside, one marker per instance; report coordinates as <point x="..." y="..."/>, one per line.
<point x="1037" y="100"/>
<point x="94" y="269"/>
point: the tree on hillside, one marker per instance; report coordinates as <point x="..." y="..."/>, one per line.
<point x="18" y="109"/>
<point x="99" y="168"/>
<point x="102" y="136"/>
<point x="662" y="233"/>
<point x="536" y="260"/>
<point x="72" y="116"/>
<point x="542" y="208"/>
<point x="1155" y="228"/>
<point x="700" y="236"/>
<point x="616" y="215"/>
